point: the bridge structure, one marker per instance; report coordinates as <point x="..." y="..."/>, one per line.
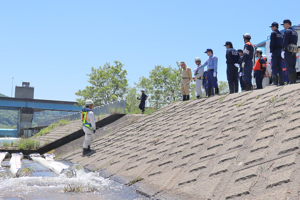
<point x="26" y="108"/>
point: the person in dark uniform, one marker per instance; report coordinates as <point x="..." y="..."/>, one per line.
<point x="243" y="86"/>
<point x="290" y="39"/>
<point x="275" y="51"/>
<point x="232" y="59"/>
<point x="143" y="99"/>
<point x="259" y="69"/>
<point x="247" y="63"/>
<point x="205" y="85"/>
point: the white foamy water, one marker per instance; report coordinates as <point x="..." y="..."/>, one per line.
<point x="91" y="186"/>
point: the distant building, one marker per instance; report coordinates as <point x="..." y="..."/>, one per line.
<point x="25" y="91"/>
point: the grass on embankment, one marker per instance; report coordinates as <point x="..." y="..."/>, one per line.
<point x="51" y="127"/>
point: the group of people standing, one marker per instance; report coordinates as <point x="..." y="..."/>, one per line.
<point x="240" y="64"/>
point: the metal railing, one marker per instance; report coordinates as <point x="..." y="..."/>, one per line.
<point x="114" y="107"/>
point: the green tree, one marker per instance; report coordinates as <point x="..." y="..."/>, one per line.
<point x="108" y="84"/>
<point x="223" y="87"/>
<point x="132" y="104"/>
<point x="162" y="86"/>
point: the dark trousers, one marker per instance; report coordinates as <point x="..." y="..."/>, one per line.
<point x="258" y="78"/>
<point x="276" y="63"/>
<point x="243" y="86"/>
<point x="206" y="89"/>
<point x="142" y="107"/>
<point x="232" y="78"/>
<point x="290" y="62"/>
<point x="232" y="75"/>
<point x="247" y="72"/>
<point x="211" y="80"/>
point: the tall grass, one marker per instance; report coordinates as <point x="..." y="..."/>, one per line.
<point x="27" y="144"/>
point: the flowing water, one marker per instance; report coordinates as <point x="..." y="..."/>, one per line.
<point x="45" y="184"/>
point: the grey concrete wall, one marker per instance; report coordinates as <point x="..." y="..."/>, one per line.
<point x="24" y="92"/>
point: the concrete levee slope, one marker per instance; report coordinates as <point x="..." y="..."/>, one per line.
<point x="238" y="146"/>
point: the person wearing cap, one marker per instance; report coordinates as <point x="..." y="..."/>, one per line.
<point x="275" y="51"/>
<point x="259" y="68"/>
<point x="198" y="78"/>
<point x="247" y="63"/>
<point x="232" y="59"/>
<point x="243" y="86"/>
<point x="212" y="69"/>
<point x="290" y="39"/>
<point x="143" y="99"/>
<point x="186" y="78"/>
<point x="89" y="125"/>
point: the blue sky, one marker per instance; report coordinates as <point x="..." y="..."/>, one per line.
<point x="53" y="44"/>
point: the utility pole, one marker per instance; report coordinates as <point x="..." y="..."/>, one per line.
<point x="12" y="83"/>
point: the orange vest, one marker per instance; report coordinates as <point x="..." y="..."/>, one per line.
<point x="249" y="43"/>
<point x="257" y="65"/>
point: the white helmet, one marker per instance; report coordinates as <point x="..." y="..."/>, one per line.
<point x="197" y="59"/>
<point x="89" y="102"/>
<point x="247" y="35"/>
<point x="142" y="90"/>
<point x="259" y="50"/>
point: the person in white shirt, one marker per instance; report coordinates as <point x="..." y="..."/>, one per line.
<point x="198" y="78"/>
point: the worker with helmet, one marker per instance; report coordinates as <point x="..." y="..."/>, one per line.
<point x="247" y="63"/>
<point x="186" y="78"/>
<point x="232" y="59"/>
<point x="212" y="67"/>
<point x="143" y="99"/>
<point x="276" y="42"/>
<point x="259" y="68"/>
<point x="89" y="125"/>
<point x="243" y="86"/>
<point x="198" y="78"/>
<point x="290" y="49"/>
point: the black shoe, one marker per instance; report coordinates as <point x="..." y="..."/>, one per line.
<point x="183" y="97"/>
<point x="85" y="151"/>
<point x="280" y="80"/>
<point x="248" y="87"/>
<point x="209" y="92"/>
<point x="217" y="91"/>
<point x="198" y="97"/>
<point x="291" y="78"/>
<point x="236" y="88"/>
<point x="274" y="79"/>
<point x="89" y="148"/>
<point x="187" y="97"/>
<point x="231" y="88"/>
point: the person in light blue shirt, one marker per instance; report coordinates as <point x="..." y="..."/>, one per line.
<point x="212" y="69"/>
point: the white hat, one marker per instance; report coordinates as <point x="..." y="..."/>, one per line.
<point x="197" y="59"/>
<point x="142" y="90"/>
<point x="247" y="35"/>
<point x="89" y="102"/>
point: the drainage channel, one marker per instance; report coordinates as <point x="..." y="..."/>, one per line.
<point x="46" y="184"/>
